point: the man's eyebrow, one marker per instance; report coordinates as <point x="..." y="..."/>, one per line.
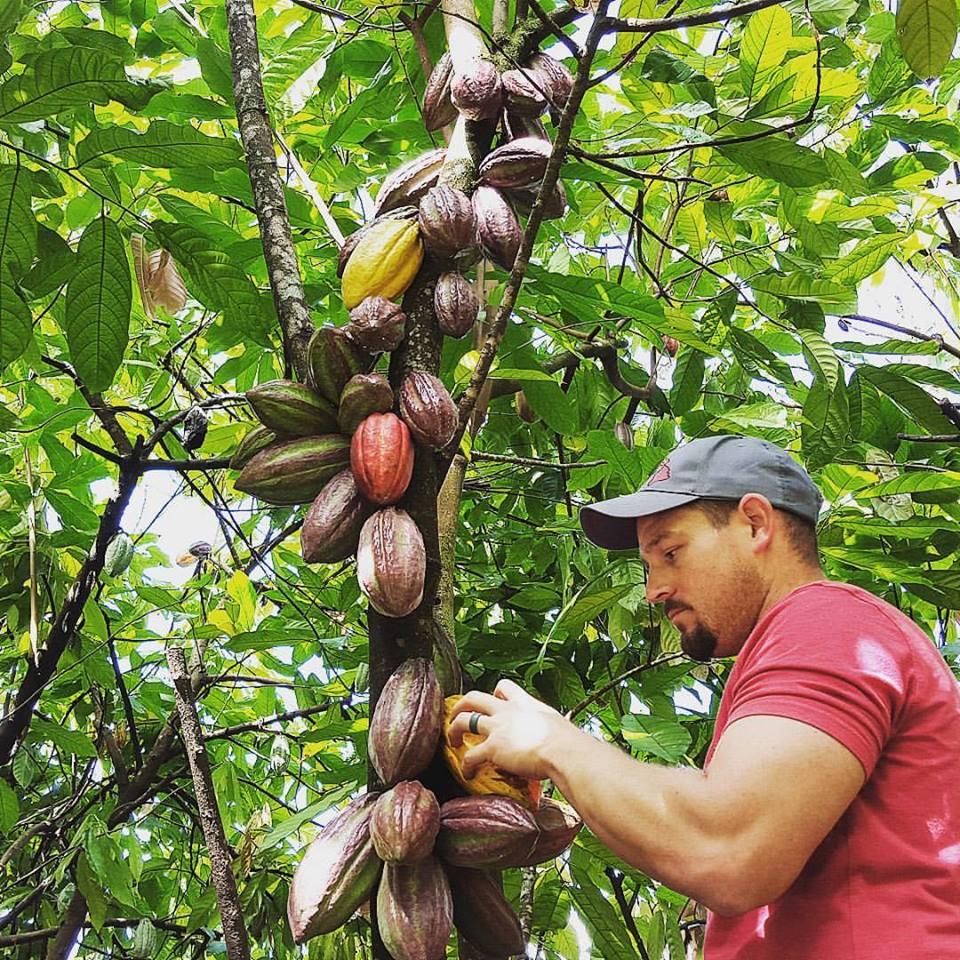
<point x="657" y="539"/>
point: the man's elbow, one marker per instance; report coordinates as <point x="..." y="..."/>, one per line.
<point x="738" y="883"/>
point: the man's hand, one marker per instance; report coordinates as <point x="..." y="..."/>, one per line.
<point x="521" y="732"/>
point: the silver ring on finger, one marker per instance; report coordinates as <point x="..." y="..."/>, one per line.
<point x="474" y="725"/>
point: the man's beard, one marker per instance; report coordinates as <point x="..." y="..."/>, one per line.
<point x="699" y="643"/>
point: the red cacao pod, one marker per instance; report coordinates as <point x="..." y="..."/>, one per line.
<point x="364" y="395"/>
<point x="482" y="914"/>
<point x="381" y="457"/>
<point x="476" y="91"/>
<point x="497" y="226"/>
<point x="331" y="528"/>
<point x="438" y="108"/>
<point x="405" y="823"/>
<point x="455" y="304"/>
<point x="486" y="831"/>
<point x="337" y="873"/>
<point x="415" y="910"/>
<point x="518" y="163"/>
<point x="377" y="324"/>
<point x="427" y="409"/>
<point x="392" y="564"/>
<point x="448" y="224"/>
<point x="407" y="722"/>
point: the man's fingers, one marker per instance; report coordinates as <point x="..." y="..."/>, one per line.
<point x="508" y="690"/>
<point x="476" y="700"/>
<point x="461" y="725"/>
<point x="474" y="757"/>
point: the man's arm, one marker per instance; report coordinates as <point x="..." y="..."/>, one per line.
<point x="735" y="837"/>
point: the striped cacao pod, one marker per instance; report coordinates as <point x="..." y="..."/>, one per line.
<point x="559" y="825"/>
<point x="415" y="910"/>
<point x="364" y="394"/>
<point x="405" y="823"/>
<point x="490" y="831"/>
<point x="118" y="555"/>
<point x="292" y="409"/>
<point x="392" y="565"/>
<point x="334" y="358"/>
<point x="455" y="304"/>
<point x="257" y="438"/>
<point x="438" y="108"/>
<point x="383" y="263"/>
<point x="331" y="528"/>
<point x="294" y="471"/>
<point x="381" y="457"/>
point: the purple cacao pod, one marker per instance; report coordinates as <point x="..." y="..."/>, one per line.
<point x="455" y="304"/>
<point x="391" y="567"/>
<point x="438" y="108"/>
<point x="427" y="409"/>
<point x="553" y="78"/>
<point x="518" y="163"/>
<point x="482" y="914"/>
<point x="331" y="528"/>
<point x="415" y="910"/>
<point x="486" y="831"/>
<point x="448" y="224"/>
<point x="409" y="182"/>
<point x="559" y="825"/>
<point x="405" y="823"/>
<point x="377" y="324"/>
<point x="521" y="95"/>
<point x="497" y="226"/>
<point x="476" y="91"/>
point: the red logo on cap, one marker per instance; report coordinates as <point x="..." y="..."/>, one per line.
<point x="662" y="473"/>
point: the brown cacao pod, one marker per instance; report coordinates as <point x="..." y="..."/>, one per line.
<point x="383" y="263"/>
<point x="257" y="438"/>
<point x="391" y="566"/>
<point x="294" y="471"/>
<point x="559" y="825"/>
<point x="381" y="457"/>
<point x="482" y="913"/>
<point x="623" y="432"/>
<point x="399" y="213"/>
<point x="521" y="95"/>
<point x="377" y="325"/>
<point x="455" y="304"/>
<point x="331" y="528"/>
<point x="476" y="92"/>
<point x="407" y="721"/>
<point x="497" y="226"/>
<point x="517" y="163"/>
<point x="292" y="409"/>
<point x="552" y="77"/>
<point x="364" y="395"/>
<point x="338" y="872"/>
<point x="334" y="358"/>
<point x="487" y="831"/>
<point x="438" y="108"/>
<point x="523" y="408"/>
<point x="448" y="224"/>
<point x="427" y="409"/>
<point x="405" y="823"/>
<point x="415" y="910"/>
<point x="554" y="207"/>
<point x="410" y="181"/>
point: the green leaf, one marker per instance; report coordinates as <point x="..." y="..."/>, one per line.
<point x="913" y="400"/>
<point x="826" y="421"/>
<point x="163" y="144"/>
<point x="927" y="33"/>
<point x="821" y="357"/>
<point x="587" y="606"/>
<point x="72" y="742"/>
<point x="687" y="381"/>
<point x="98" y="301"/>
<point x="15" y="323"/>
<point x="92" y="892"/>
<point x="765" y="41"/>
<point x="658" y="736"/>
<point x="601" y="918"/>
<point x="69" y="77"/>
<point x="920" y="481"/>
<point x="9" y="808"/>
<point x="866" y="258"/>
<point x="18" y="226"/>
<point x="779" y="159"/>
<point x="802" y="286"/>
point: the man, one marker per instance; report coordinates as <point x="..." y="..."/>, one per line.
<point x="826" y="824"/>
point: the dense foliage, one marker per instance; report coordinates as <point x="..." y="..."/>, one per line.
<point x="690" y="218"/>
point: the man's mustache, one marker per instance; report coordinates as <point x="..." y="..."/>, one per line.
<point x="671" y="606"/>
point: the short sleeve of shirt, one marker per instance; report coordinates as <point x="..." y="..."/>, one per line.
<point x="830" y="659"/>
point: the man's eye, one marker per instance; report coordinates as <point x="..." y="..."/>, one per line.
<point x="670" y="555"/>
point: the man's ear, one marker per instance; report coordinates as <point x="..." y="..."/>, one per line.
<point x="759" y="514"/>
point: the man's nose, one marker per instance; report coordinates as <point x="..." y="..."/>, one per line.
<point x="657" y="590"/>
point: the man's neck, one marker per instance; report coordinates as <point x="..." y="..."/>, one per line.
<point x="789" y="581"/>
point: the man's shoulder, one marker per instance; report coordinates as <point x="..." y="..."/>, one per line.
<point x="834" y="602"/>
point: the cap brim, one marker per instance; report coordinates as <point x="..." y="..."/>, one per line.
<point x="610" y="523"/>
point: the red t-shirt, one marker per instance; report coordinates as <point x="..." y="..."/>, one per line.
<point x="885" y="882"/>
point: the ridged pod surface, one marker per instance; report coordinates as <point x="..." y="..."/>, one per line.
<point x="338" y="872"/>
<point x="559" y="825"/>
<point x="407" y="722"/>
<point x="554" y="208"/>
<point x="377" y="324"/>
<point x="476" y="91"/>
<point x="552" y="77"/>
<point x="364" y="395"/>
<point x="334" y="358"/>
<point x="438" y="108"/>
<point x="398" y="213"/>
<point x="294" y="471"/>
<point x="405" y="823"/>
<point x="517" y="163"/>
<point x="331" y="528"/>
<point x="427" y="409"/>
<point x="410" y="181"/>
<point x="493" y="832"/>
<point x="257" y="438"/>
<point x="521" y="95"/>
<point x="448" y="224"/>
<point x="381" y="457"/>
<point x="482" y="913"/>
<point x="487" y="779"/>
<point x="624" y="433"/>
<point x="455" y="304"/>
<point x="292" y="409"/>
<point x="497" y="226"/>
<point x="392" y="566"/>
<point x="415" y="910"/>
<point x="383" y="262"/>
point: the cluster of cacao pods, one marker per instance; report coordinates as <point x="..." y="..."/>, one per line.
<point x="427" y="867"/>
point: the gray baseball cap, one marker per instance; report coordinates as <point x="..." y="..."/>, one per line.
<point x="712" y="468"/>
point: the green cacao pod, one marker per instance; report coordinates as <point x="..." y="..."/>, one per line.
<point x="624" y="433"/>
<point x="334" y="358"/>
<point x="337" y="874"/>
<point x="292" y="409"/>
<point x="415" y="910"/>
<point x="407" y="722"/>
<point x="145" y="941"/>
<point x="486" y="831"/>
<point x="391" y="563"/>
<point x="257" y="438"/>
<point x="482" y="914"/>
<point x="118" y="555"/>
<point x="294" y="471"/>
<point x="364" y="394"/>
<point x="331" y="528"/>
<point x="377" y="324"/>
<point x="381" y="457"/>
<point x="559" y="825"/>
<point x="427" y="409"/>
<point x="405" y="823"/>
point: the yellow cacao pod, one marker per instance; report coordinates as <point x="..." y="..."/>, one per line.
<point x="383" y="263"/>
<point x="488" y="779"/>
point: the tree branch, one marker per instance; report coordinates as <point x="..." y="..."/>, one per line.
<point x="658" y="25"/>
<point x="929" y="337"/>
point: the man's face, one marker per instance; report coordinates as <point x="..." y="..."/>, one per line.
<point x="707" y="579"/>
